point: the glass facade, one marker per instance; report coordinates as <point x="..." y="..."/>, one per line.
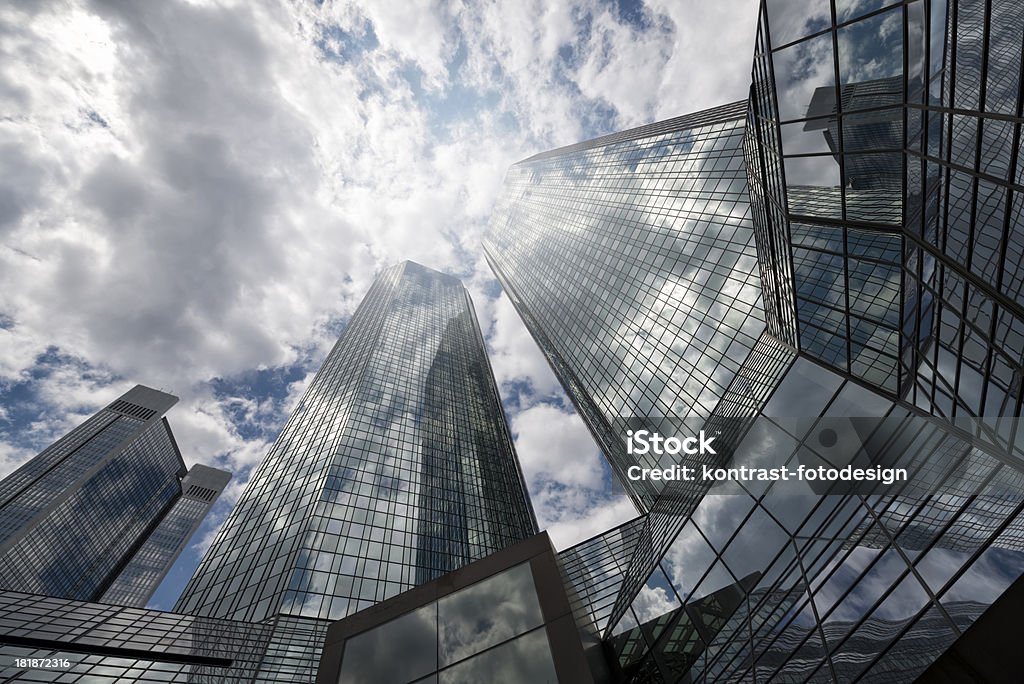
<point x="836" y="261"/>
<point x="823" y="584"/>
<point x="142" y="575"/>
<point x="884" y="148"/>
<point x="631" y="260"/>
<point x="880" y="151"/>
<point x="504" y="619"/>
<point x="73" y="517"/>
<point x="395" y="468"/>
<point x="48" y="639"/>
<point x="594" y="571"/>
<point x="446" y="641"/>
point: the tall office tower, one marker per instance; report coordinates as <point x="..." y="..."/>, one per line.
<point x="145" y="571"/>
<point x="631" y="259"/>
<point x="73" y="517"/>
<point x="395" y="468"/>
<point x="882" y="151"/>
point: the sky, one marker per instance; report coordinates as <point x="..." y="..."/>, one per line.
<point x="196" y="195"/>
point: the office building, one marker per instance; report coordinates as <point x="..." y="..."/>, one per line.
<point x="145" y="571"/>
<point x="395" y="468"/>
<point x="881" y="161"/>
<point x="438" y="632"/>
<point x="631" y="258"/>
<point x="824" y="274"/>
<point x="909" y="277"/>
<point x="78" y="515"/>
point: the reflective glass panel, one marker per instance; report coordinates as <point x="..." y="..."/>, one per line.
<point x="799" y="71"/>
<point x="487" y="613"/>
<point x="813" y="186"/>
<point x="526" y="660"/>
<point x="397" y="651"/>
<point x="806" y="137"/>
<point x="872" y="49"/>
<point x="791" y="20"/>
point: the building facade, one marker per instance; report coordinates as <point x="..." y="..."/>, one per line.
<point x="139" y="579"/>
<point x="395" y="468"/>
<point x="73" y="518"/>
<point x="631" y="258"/>
<point x="882" y="195"/>
<point x="885" y="173"/>
<point x="827" y="273"/>
<point x="47" y="639"/>
<point x="503" y="618"/>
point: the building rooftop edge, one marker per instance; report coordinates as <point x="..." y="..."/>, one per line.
<point x="725" y="112"/>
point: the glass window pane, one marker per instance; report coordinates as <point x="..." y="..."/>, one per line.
<point x="871" y="51"/>
<point x="526" y="660"/>
<point x="823" y="238"/>
<point x="397" y="651"/>
<point x="807" y="137"/>
<point x="793" y="19"/>
<point x="875" y="130"/>
<point x="487" y="613"/>
<point x="851" y="9"/>
<point x="687" y="560"/>
<point x="813" y="186"/>
<point x="800" y="70"/>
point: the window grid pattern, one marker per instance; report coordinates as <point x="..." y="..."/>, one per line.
<point x="882" y="157"/>
<point x="631" y="253"/>
<point x="771" y="584"/>
<point x="141" y="576"/>
<point x="896" y="122"/>
<point x="75" y="548"/>
<point x="41" y="482"/>
<point x="748" y="393"/>
<point x="116" y="644"/>
<point x="137" y="582"/>
<point x="593" y="571"/>
<point x="395" y="468"/>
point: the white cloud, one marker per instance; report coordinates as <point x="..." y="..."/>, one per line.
<point x="553" y="443"/>
<point x="11" y="457"/>
<point x="624" y="66"/>
<point x="711" y="56"/>
<point x="591" y="520"/>
<point x="565" y="475"/>
<point x="516" y="357"/>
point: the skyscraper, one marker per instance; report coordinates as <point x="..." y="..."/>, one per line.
<point x="142" y="575"/>
<point x="395" y="468"/>
<point x="882" y="158"/>
<point x="631" y="259"/>
<point x="73" y="517"/>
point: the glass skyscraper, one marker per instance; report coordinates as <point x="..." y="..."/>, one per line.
<point x="395" y="468"/>
<point x="76" y="517"/>
<point x="885" y="172"/>
<point x="877" y="176"/>
<point x="142" y="575"/>
<point x="631" y="258"/>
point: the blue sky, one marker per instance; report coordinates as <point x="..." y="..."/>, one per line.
<point x="196" y="195"/>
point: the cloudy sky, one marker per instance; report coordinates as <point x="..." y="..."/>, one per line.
<point x="196" y="195"/>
